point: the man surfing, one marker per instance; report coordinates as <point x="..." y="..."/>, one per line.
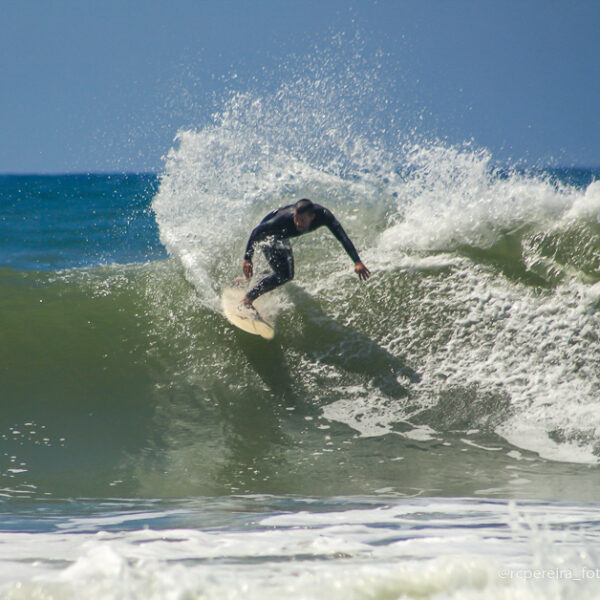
<point x="274" y="233"/>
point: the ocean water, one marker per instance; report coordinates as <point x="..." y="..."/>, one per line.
<point x="433" y="433"/>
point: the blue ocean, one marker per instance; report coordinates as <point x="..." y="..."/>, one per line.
<point x="431" y="433"/>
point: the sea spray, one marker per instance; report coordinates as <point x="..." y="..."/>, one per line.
<point x="484" y="273"/>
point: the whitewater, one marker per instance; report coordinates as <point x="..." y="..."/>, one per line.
<point x="431" y="433"/>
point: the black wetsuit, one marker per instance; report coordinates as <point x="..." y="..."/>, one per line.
<point x="274" y="231"/>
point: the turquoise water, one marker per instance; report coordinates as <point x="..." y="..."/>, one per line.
<point x="433" y="433"/>
<point x="57" y="222"/>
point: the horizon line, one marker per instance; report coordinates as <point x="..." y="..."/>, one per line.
<point x="158" y="173"/>
<point x="74" y="173"/>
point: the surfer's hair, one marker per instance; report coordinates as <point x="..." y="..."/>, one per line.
<point x="304" y="206"/>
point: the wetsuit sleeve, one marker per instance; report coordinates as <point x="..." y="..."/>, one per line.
<point x="259" y="233"/>
<point x="338" y="231"/>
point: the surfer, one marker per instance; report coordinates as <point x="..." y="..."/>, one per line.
<point x="274" y="232"/>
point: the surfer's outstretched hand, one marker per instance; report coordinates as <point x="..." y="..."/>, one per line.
<point x="362" y="271"/>
<point x="247" y="269"/>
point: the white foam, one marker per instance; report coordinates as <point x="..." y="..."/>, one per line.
<point x="586" y="205"/>
<point x="452" y="196"/>
<point x="440" y="549"/>
<point x="538" y="348"/>
<point x="532" y="436"/>
<point x="539" y="351"/>
<point x="532" y="349"/>
<point x="366" y="411"/>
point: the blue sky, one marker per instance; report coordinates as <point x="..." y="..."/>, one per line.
<point x="104" y="86"/>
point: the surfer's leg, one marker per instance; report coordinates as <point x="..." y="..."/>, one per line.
<point x="281" y="260"/>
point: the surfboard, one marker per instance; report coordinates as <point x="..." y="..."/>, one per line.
<point x="246" y="321"/>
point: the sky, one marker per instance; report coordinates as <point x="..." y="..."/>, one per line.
<point x="104" y="86"/>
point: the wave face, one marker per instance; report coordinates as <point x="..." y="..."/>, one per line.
<point x="474" y="346"/>
<point x="482" y="312"/>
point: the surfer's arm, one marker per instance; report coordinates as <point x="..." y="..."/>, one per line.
<point x="341" y="236"/>
<point x="273" y="224"/>
<point x="259" y="233"/>
<point x="247" y="269"/>
<point x="249" y="253"/>
<point x="338" y="231"/>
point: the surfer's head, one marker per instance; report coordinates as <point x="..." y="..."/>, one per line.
<point x="304" y="213"/>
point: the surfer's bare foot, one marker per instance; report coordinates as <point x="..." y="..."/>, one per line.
<point x="246" y="306"/>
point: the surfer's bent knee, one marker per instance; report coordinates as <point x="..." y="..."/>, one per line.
<point x="283" y="271"/>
